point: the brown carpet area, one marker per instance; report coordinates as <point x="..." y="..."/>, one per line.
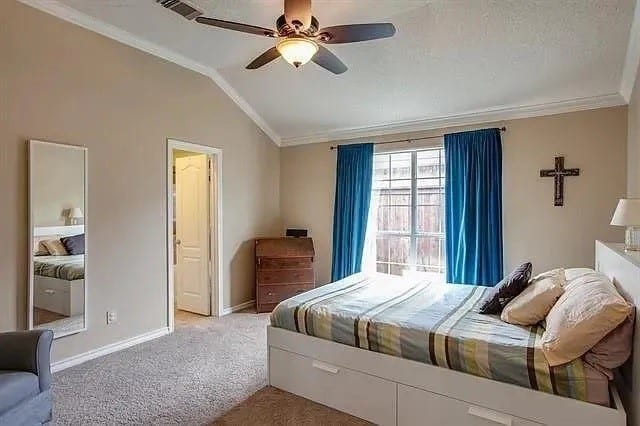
<point x="271" y="406"/>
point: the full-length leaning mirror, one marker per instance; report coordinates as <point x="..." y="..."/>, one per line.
<point x="57" y="212"/>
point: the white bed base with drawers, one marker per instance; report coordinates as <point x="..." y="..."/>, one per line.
<point x="57" y="295"/>
<point x="389" y="390"/>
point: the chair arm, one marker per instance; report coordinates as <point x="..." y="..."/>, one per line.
<point x="28" y="351"/>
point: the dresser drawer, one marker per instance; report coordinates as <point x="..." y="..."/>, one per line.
<point x="368" y="397"/>
<point x="278" y="293"/>
<point x="265" y="307"/>
<point x="284" y="263"/>
<point x="418" y="407"/>
<point x="285" y="276"/>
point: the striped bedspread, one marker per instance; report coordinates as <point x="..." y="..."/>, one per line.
<point x="437" y="324"/>
<point x="63" y="267"/>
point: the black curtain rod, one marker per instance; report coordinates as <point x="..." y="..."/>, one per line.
<point x="411" y="140"/>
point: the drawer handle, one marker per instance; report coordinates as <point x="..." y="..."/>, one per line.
<point x="325" y="367"/>
<point x="270" y="294"/>
<point x="49" y="291"/>
<point x="492" y="416"/>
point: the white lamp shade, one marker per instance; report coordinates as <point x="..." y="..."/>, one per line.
<point x="627" y="213"/>
<point x="75" y="213"/>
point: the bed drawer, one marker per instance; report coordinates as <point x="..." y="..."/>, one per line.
<point x="418" y="407"/>
<point x="277" y="293"/>
<point x="359" y="394"/>
<point x="51" y="297"/>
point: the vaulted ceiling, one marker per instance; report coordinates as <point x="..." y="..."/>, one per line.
<point x="450" y="59"/>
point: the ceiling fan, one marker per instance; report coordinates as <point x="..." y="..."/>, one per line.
<point x="300" y="37"/>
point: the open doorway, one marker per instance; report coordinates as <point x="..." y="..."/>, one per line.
<point x="194" y="231"/>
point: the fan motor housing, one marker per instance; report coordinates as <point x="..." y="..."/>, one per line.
<point x="284" y="29"/>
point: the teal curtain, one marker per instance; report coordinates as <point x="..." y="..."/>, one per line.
<point x="473" y="207"/>
<point x="351" y="208"/>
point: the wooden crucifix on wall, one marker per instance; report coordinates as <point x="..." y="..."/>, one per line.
<point x="558" y="174"/>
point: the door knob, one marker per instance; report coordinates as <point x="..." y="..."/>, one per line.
<point x="178" y="242"/>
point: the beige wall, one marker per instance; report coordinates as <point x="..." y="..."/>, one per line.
<point x="62" y="83"/>
<point x="307" y="189"/>
<point x="633" y="142"/>
<point x="57" y="183"/>
<point x="535" y="230"/>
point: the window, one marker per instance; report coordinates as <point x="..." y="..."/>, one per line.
<point x="408" y="198"/>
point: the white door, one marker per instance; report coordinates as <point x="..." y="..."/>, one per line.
<point x="192" y="235"/>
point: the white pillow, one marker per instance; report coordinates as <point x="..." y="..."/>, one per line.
<point x="534" y="303"/>
<point x="573" y="273"/>
<point x="587" y="311"/>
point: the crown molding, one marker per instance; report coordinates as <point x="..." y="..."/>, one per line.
<point x="632" y="60"/>
<point x="66" y="13"/>
<point x="465" y="119"/>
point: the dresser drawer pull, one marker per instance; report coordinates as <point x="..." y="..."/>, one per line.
<point x="492" y="416"/>
<point x="49" y="291"/>
<point x="325" y="367"/>
<point x="270" y="293"/>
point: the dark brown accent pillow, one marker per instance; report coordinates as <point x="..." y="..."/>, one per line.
<point x="510" y="286"/>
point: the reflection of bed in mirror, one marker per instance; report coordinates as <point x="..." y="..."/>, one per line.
<point x="57" y="217"/>
<point x="58" y="283"/>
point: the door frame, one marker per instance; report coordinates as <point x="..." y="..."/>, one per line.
<point x="215" y="222"/>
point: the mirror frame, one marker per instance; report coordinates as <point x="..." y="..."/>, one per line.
<point x="32" y="143"/>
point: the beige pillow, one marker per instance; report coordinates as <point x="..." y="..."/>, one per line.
<point x="55" y="247"/>
<point x="588" y="310"/>
<point x="40" y="249"/>
<point x="534" y="303"/>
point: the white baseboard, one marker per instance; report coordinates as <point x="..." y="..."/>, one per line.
<point x="104" y="350"/>
<point x="239" y="307"/>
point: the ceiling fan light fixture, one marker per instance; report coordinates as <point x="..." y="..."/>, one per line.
<point x="297" y="50"/>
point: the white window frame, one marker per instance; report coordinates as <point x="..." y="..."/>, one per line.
<point x="413" y="233"/>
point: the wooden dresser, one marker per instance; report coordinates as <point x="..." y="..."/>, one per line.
<point x="284" y="268"/>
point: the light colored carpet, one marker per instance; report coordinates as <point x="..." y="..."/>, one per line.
<point x="191" y="377"/>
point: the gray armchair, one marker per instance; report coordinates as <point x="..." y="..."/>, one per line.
<point x="25" y="377"/>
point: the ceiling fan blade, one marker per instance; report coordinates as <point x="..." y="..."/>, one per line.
<point x="329" y="61"/>
<point x="264" y="59"/>
<point x="298" y="13"/>
<point x="356" y="32"/>
<point x="236" y="26"/>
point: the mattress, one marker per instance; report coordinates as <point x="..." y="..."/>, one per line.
<point x="63" y="267"/>
<point x="437" y="324"/>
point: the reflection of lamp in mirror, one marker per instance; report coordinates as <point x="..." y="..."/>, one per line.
<point x="75" y="214"/>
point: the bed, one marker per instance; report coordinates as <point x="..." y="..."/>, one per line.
<point x="58" y="284"/>
<point x="58" y="281"/>
<point x="68" y="268"/>
<point x="398" y="351"/>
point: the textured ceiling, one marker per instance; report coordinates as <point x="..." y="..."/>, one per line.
<point x="447" y="58"/>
